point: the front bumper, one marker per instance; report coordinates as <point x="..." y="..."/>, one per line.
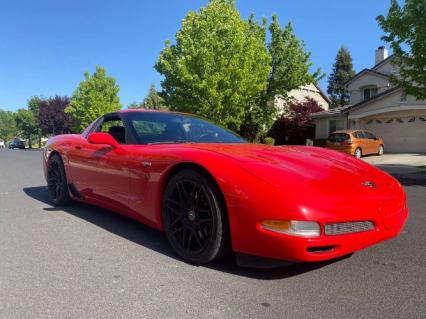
<point x="270" y="244"/>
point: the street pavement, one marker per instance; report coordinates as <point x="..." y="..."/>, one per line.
<point x="85" y="262"/>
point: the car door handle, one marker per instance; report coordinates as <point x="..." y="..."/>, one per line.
<point x="78" y="147"/>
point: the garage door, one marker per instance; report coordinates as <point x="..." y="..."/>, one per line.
<point x="400" y="134"/>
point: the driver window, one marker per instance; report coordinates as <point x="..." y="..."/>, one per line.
<point x="115" y="127"/>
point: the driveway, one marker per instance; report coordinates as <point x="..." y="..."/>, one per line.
<point x="85" y="262"/>
<point x="409" y="168"/>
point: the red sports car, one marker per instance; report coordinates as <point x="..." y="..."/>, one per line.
<point x="211" y="192"/>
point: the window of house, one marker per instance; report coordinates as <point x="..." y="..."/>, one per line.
<point x="370" y="92"/>
<point x="335" y="125"/>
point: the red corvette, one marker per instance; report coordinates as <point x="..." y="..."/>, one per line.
<point x="210" y="191"/>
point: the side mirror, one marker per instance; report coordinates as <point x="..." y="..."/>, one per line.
<point x="103" y="138"/>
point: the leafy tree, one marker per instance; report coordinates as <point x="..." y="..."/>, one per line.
<point x="218" y="67"/>
<point x="135" y="105"/>
<point x="8" y="128"/>
<point x="342" y="72"/>
<point x="95" y="96"/>
<point x="153" y="100"/>
<point x="298" y="126"/>
<point x="33" y="105"/>
<point x="290" y="62"/>
<point x="405" y="30"/>
<point x="52" y="118"/>
<point x="26" y="124"/>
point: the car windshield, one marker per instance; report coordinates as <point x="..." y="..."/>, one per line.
<point x="163" y="128"/>
<point x="338" y="137"/>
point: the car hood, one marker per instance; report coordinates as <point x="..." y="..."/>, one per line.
<point x="308" y="165"/>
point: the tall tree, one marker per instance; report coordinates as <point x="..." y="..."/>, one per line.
<point x="153" y="100"/>
<point x="8" y="128"/>
<point x="135" y="105"/>
<point x="342" y="72"/>
<point x="95" y="96"/>
<point x="218" y="66"/>
<point x="405" y="30"/>
<point x="52" y="118"/>
<point x="26" y="124"/>
<point x="290" y="65"/>
<point x="33" y="105"/>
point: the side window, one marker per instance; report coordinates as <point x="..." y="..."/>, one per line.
<point x="370" y="136"/>
<point x="361" y="134"/>
<point x="115" y="127"/>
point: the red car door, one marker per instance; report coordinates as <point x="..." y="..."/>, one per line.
<point x="101" y="172"/>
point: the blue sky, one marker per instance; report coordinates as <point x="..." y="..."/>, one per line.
<point x="46" y="45"/>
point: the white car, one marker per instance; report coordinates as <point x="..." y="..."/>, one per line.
<point x="2" y="144"/>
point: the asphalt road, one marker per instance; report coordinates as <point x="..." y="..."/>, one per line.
<point x="84" y="262"/>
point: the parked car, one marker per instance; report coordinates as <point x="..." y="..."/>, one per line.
<point x="1" y="144"/>
<point x="17" y="143"/>
<point x="211" y="191"/>
<point x="355" y="142"/>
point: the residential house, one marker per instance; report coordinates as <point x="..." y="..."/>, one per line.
<point x="300" y="94"/>
<point x="378" y="106"/>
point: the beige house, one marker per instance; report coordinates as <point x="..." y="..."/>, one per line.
<point x="379" y="107"/>
<point x="300" y="94"/>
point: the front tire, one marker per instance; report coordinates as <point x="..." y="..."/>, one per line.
<point x="57" y="184"/>
<point x="194" y="217"/>
<point x="358" y="153"/>
<point x="381" y="150"/>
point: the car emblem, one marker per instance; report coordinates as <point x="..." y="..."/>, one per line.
<point x="369" y="184"/>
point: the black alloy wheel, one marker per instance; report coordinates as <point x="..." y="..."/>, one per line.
<point x="194" y="217"/>
<point x="57" y="181"/>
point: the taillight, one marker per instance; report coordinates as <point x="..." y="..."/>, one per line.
<point x="347" y="142"/>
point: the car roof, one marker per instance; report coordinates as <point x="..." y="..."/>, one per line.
<point x="142" y="110"/>
<point x="148" y="111"/>
<point x="348" y="131"/>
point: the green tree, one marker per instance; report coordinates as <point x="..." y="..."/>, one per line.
<point x="135" y="105"/>
<point x="290" y="65"/>
<point x="8" y="128"/>
<point x="33" y="105"/>
<point x="218" y="67"/>
<point x="405" y="30"/>
<point x="153" y="100"/>
<point x="95" y="96"/>
<point x="26" y="124"/>
<point x="342" y="72"/>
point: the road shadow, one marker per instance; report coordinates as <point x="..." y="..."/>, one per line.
<point x="155" y="240"/>
<point x="407" y="175"/>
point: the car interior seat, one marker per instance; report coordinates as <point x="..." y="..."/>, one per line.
<point x="118" y="133"/>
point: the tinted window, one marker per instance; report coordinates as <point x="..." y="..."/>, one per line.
<point x="338" y="137"/>
<point x="161" y="128"/>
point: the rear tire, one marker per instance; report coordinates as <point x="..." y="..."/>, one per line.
<point x="358" y="153"/>
<point x="57" y="184"/>
<point x="194" y="217"/>
<point x="381" y="150"/>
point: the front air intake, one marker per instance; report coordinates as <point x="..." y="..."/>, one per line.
<point x="348" y="228"/>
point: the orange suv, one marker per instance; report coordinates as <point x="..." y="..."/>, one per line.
<point x="355" y="142"/>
